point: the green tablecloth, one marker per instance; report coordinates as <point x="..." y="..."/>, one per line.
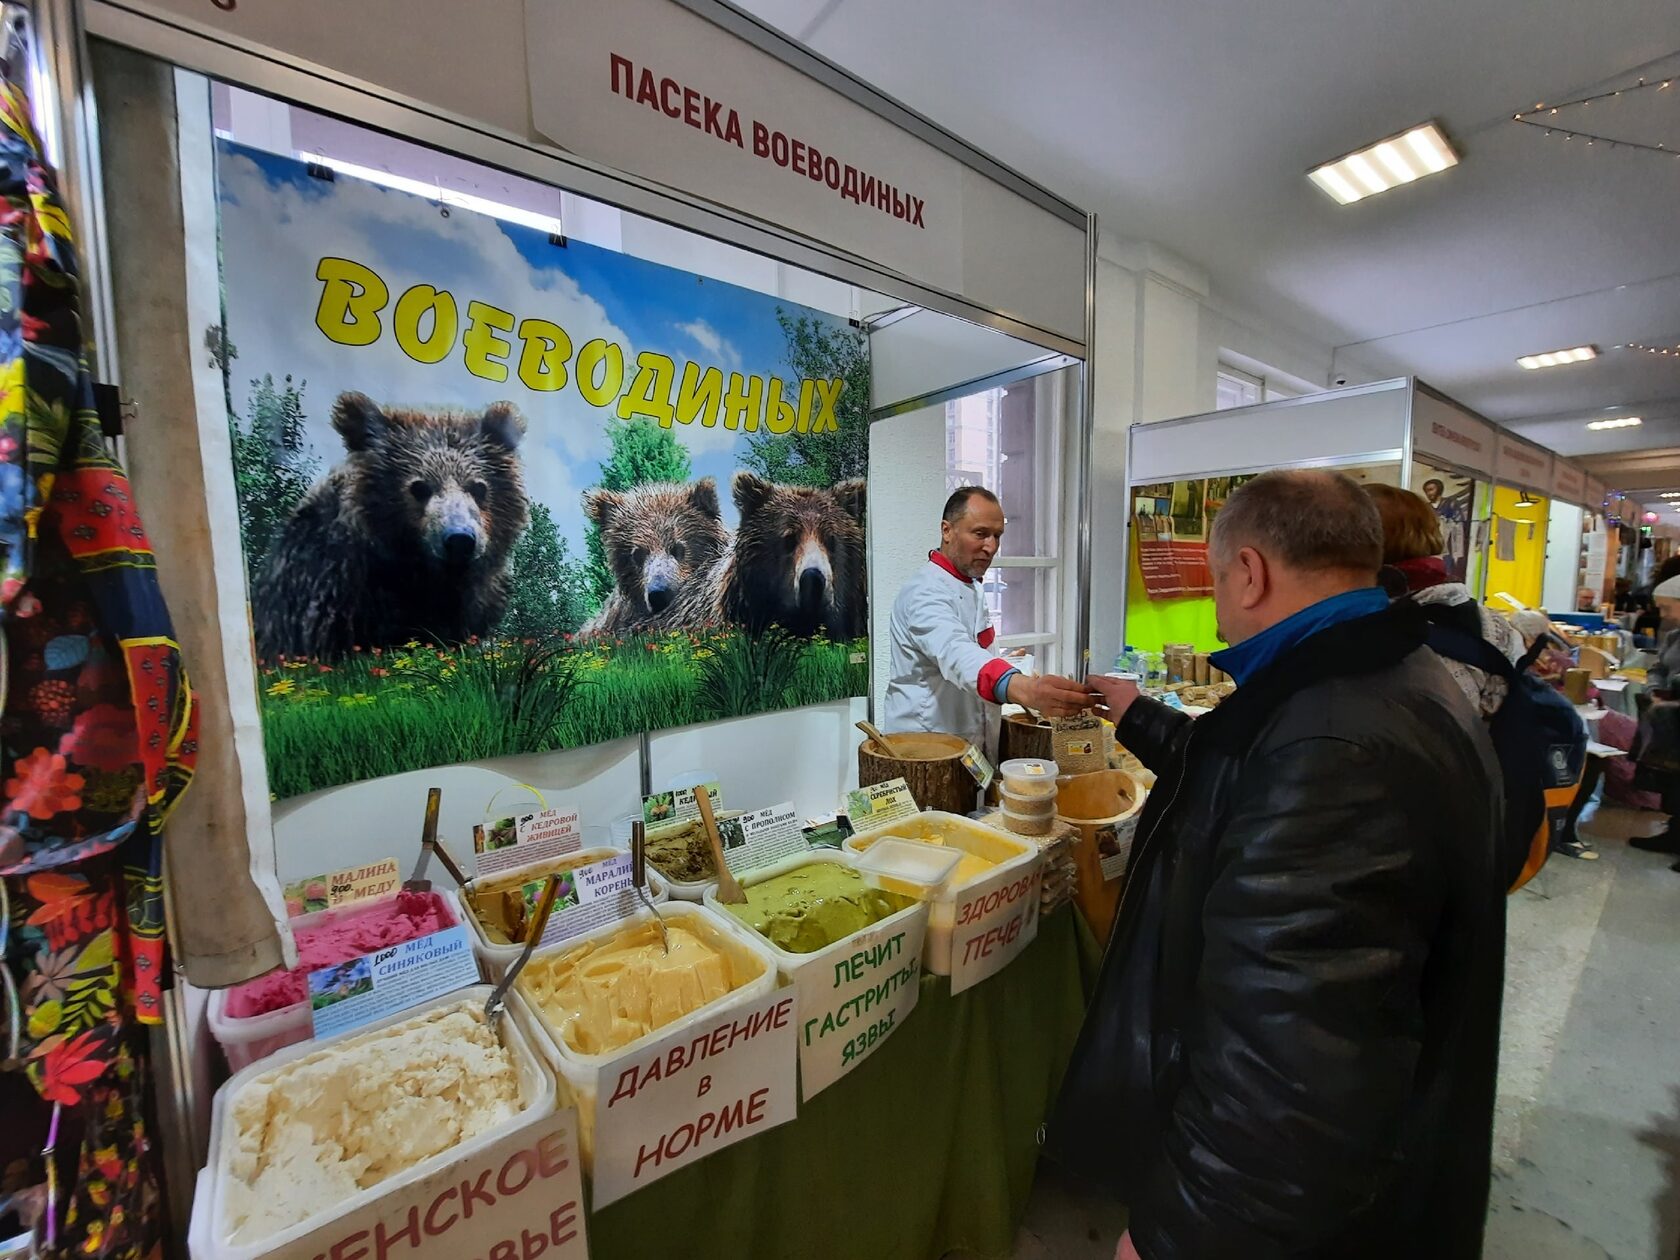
<point x="928" y="1147"/>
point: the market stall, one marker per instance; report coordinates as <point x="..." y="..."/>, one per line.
<point x="1488" y="488"/>
<point x="662" y="242"/>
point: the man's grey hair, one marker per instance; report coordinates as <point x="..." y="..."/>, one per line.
<point x="1306" y="519"/>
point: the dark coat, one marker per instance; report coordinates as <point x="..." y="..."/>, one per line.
<point x="1292" y="1047"/>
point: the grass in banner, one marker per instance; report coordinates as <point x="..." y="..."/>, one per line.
<point x="384" y="711"/>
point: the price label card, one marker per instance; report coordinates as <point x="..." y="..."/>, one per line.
<point x="527" y="1200"/>
<point x="674" y="806"/>
<point x="527" y="838"/>
<point x="880" y="803"/>
<point x="590" y="897"/>
<point x="1114" y="847"/>
<point x="849" y="1009"/>
<point x="995" y="919"/>
<point x="342" y="888"/>
<point x="765" y="836"/>
<point x="695" y="1091"/>
<point x="974" y="761"/>
<point x="375" y="985"/>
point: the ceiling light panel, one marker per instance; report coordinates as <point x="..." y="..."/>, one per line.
<point x="1620" y="422"/>
<point x="1400" y="159"/>
<point x="1557" y="358"/>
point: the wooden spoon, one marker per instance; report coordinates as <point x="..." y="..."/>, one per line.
<point x="730" y="892"/>
<point x="870" y="729"/>
<point x="497" y="1001"/>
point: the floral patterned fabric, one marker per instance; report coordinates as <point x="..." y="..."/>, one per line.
<point x="98" y="727"/>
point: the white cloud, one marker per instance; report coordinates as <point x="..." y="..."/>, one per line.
<point x="713" y="343"/>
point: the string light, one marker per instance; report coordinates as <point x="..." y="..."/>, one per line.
<point x="1528" y="118"/>
<point x="1672" y="352"/>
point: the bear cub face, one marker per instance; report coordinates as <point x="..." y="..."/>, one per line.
<point x="657" y="538"/>
<point x="800" y="555"/>
<point x="443" y="489"/>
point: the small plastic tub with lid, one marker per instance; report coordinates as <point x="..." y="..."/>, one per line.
<point x="1029" y="777"/>
<point x="909" y="867"/>
<point x="1029" y="824"/>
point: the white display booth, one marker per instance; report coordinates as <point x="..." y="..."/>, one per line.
<point x="1401" y="431"/>
<point x="968" y="276"/>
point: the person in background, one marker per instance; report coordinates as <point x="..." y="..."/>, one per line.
<point x="1413" y="567"/>
<point x="1658" y="743"/>
<point x="944" y="675"/>
<point x="1291" y="1048"/>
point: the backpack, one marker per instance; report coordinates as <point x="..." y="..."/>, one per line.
<point x="1541" y="744"/>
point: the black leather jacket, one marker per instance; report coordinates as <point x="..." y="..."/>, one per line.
<point x="1292" y="1047"/>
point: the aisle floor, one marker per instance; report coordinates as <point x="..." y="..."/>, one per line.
<point x="1587" y="1139"/>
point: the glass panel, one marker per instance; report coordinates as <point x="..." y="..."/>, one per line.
<point x="1004" y="440"/>
<point x="1015" y="600"/>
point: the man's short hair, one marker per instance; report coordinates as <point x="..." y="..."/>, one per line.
<point x="1309" y="519"/>
<point x="956" y="507"/>
<point x="1410" y="527"/>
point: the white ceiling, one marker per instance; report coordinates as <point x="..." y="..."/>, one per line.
<point x="1192" y="125"/>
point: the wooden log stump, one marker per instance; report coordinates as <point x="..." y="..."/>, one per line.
<point x="930" y="763"/>
<point x="1024" y="736"/>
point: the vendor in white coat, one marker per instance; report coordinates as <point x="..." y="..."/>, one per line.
<point x="945" y="677"/>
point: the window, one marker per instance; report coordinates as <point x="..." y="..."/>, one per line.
<point x="1237" y="388"/>
<point x="1008" y="440"/>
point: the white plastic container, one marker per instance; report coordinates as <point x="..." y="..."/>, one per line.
<point x="1039" y="806"/>
<point x="908" y="867"/>
<point x="1004" y="851"/>
<point x="207" y="1233"/>
<point x="580" y="1074"/>
<point x="791" y="963"/>
<point x="1028" y="777"/>
<point x="246" y="1039"/>
<point x="1040" y="824"/>
<point x="690" y="889"/>
<point x="494" y="956"/>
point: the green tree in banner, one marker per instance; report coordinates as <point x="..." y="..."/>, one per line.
<point x="820" y="351"/>
<point x="273" y="466"/>
<point x="550" y="592"/>
<point x="642" y="452"/>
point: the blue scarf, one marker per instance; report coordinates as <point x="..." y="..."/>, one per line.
<point x="1246" y="659"/>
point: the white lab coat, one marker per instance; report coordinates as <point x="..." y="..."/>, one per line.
<point x="938" y="626"/>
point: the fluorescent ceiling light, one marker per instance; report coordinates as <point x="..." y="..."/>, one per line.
<point x="1620" y="422"/>
<point x="1669" y="494"/>
<point x="436" y="192"/>
<point x="1386" y="164"/>
<point x="1556" y="358"/>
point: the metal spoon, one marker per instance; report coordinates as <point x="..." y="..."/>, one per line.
<point x="417" y="882"/>
<point x="638" y="878"/>
<point x="496" y="1004"/>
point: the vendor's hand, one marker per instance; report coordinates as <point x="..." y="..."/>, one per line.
<point x="1126" y="1251"/>
<point x="1115" y="694"/>
<point x="1049" y="694"/>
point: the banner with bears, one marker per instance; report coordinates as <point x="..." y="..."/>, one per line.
<point x="503" y="492"/>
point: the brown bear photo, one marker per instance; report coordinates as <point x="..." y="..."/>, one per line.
<point x="797" y="561"/>
<point x="408" y="537"/>
<point x="658" y="539"/>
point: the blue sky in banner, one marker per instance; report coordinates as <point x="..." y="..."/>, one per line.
<point x="278" y="221"/>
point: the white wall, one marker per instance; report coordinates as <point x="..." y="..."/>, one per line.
<point x="907" y="471"/>
<point x="1563" y="558"/>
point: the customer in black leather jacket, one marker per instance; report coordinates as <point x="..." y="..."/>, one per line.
<point x="1292" y="1046"/>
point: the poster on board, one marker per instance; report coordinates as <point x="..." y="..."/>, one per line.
<point x="1171" y="521"/>
<point x="1452" y="497"/>
<point x="502" y="492"/>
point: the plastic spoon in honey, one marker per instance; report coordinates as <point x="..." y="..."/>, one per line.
<point x="729" y="892"/>
<point x="496" y="1004"/>
<point x="638" y="878"/>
